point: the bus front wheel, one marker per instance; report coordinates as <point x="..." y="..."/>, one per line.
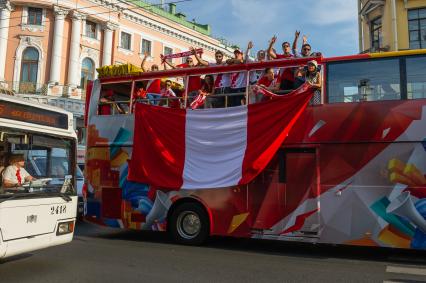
<point x="189" y="224"/>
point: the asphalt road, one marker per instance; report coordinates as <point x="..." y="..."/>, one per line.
<point x="104" y="255"/>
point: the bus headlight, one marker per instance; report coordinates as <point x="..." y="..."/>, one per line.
<point x="65" y="228"/>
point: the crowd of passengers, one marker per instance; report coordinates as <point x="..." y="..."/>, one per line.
<point x="228" y="89"/>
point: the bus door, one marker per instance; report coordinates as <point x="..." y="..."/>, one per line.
<point x="299" y="172"/>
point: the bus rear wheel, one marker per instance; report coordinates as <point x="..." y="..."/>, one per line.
<point x="189" y="224"/>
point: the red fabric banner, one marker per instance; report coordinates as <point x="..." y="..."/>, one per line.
<point x="197" y="149"/>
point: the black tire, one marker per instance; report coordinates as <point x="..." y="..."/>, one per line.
<point x="189" y="213"/>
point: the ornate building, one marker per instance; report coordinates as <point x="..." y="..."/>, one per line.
<point x="50" y="48"/>
<point x="391" y="25"/>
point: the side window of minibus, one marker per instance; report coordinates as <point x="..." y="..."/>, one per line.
<point x="114" y="99"/>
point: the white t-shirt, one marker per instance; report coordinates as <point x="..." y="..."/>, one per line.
<point x="9" y="174"/>
<point x="239" y="80"/>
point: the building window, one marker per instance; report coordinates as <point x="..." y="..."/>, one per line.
<point x="168" y="51"/>
<point x="91" y="29"/>
<point x="35" y="16"/>
<point x="87" y="72"/>
<point x="417" y="28"/>
<point x="146" y="47"/>
<point x="29" y="71"/>
<point x="126" y="40"/>
<point x="376" y="33"/>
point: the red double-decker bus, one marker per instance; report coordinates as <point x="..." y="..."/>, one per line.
<point x="351" y="170"/>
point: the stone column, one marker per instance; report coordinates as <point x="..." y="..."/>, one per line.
<point x="58" y="33"/>
<point x="5" y="9"/>
<point x="107" y="46"/>
<point x="74" y="56"/>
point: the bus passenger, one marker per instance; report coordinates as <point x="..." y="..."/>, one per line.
<point x="287" y="77"/>
<point x="207" y="89"/>
<point x="285" y="46"/>
<point x="313" y="77"/>
<point x="306" y="47"/>
<point x="153" y="90"/>
<point x="167" y="92"/>
<point x="194" y="82"/>
<point x="260" y="57"/>
<point x="222" y="82"/>
<point x="238" y="80"/>
<point x="154" y="67"/>
<point x="107" y="104"/>
<point x="15" y="174"/>
<point x="269" y="81"/>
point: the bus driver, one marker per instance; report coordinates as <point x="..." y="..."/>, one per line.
<point x="15" y="174"/>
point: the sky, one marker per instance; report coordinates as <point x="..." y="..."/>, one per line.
<point x="330" y="25"/>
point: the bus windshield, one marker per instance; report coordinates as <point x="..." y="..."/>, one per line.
<point x="48" y="164"/>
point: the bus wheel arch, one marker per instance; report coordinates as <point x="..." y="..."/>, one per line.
<point x="189" y="221"/>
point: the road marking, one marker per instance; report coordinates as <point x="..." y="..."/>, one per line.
<point x="406" y="270"/>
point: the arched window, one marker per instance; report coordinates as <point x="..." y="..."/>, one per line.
<point x="87" y="72"/>
<point x="29" y="69"/>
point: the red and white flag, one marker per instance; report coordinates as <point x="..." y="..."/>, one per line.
<point x="198" y="101"/>
<point x="211" y="148"/>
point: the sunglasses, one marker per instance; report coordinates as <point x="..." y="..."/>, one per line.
<point x="307" y="49"/>
<point x="168" y="85"/>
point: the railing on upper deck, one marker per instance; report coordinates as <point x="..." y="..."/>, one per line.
<point x="226" y="98"/>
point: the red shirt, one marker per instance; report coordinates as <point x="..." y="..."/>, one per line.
<point x="194" y="83"/>
<point x="264" y="81"/>
<point x="287" y="73"/>
<point x="154" y="86"/>
<point x="283" y="56"/>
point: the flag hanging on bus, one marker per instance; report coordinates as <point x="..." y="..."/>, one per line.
<point x="211" y="148"/>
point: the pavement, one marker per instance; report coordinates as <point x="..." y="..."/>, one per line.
<point x="100" y="254"/>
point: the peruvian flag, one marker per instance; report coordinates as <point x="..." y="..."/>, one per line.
<point x="211" y="148"/>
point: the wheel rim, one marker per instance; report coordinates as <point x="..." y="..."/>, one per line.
<point x="188" y="225"/>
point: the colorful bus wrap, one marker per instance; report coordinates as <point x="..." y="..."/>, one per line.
<point x="350" y="171"/>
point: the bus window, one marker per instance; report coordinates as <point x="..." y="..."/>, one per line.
<point x="416" y="77"/>
<point x="115" y="98"/>
<point x="370" y="80"/>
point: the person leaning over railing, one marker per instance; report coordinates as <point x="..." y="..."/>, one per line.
<point x="312" y="76"/>
<point x="269" y="82"/>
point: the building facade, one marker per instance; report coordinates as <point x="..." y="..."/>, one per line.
<point x="391" y="25"/>
<point x="49" y="49"/>
<point x="53" y="47"/>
